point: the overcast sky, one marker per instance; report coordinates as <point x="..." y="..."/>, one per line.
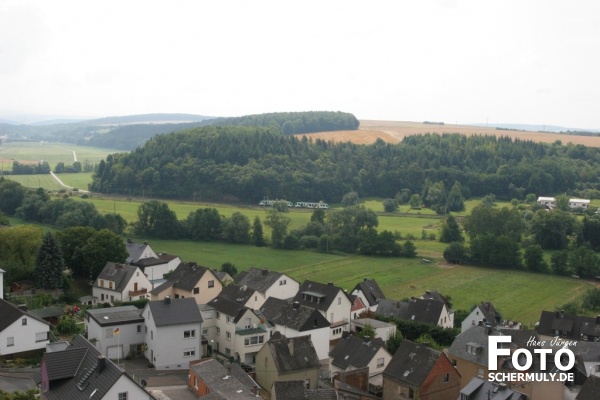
<point x="521" y="61"/>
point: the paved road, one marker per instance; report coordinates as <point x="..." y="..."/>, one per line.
<point x="12" y="381"/>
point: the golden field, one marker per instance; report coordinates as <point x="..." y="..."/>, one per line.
<point x="395" y="131"/>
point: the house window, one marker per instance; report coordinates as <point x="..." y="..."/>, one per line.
<point x="218" y="330"/>
<point x="102" y="296"/>
<point x="211" y="284"/>
<point x="108" y="333"/>
<point x="339" y="301"/>
<point x="189" y="334"/>
<point x="228" y="319"/>
<point x="101" y="283"/>
<point x="123" y="396"/>
<point x="205" y="331"/>
<point x="110" y="284"/>
<point x="252" y="340"/>
<point x="151" y="335"/>
<point x="248" y="323"/>
<point x="380" y="362"/>
<point x="139" y="329"/>
<point x="137" y="273"/>
<point x="411" y="393"/>
<point x="218" y="315"/>
<point x="228" y="335"/>
<point x="189" y="352"/>
<point x="227" y="351"/>
<point x="196" y="290"/>
<point x="446" y="377"/>
<point x="24" y="321"/>
<point x="282" y="282"/>
<point x="41" y="336"/>
<point x="112" y="298"/>
<point x="10" y="341"/>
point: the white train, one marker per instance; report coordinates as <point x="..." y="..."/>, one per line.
<point x="300" y="204"/>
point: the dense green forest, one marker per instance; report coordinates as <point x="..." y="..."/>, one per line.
<point x="247" y="164"/>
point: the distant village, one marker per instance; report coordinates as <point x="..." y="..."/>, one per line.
<point x="263" y="334"/>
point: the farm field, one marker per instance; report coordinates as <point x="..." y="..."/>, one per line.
<point x="518" y="295"/>
<point x="395" y="131"/>
<point x="53" y="153"/>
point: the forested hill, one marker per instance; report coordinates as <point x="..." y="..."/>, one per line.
<point x="292" y="123"/>
<point x="246" y="164"/>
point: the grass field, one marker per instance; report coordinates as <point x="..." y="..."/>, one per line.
<point x="53" y="153"/>
<point x="518" y="295"/>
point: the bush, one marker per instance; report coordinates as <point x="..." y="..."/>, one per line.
<point x="390" y="205"/>
<point x="291" y="242"/>
<point x="309" y="241"/>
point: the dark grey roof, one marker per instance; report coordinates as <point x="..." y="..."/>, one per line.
<point x="237" y="293"/>
<point x="175" y="311"/>
<point x="10" y="313"/>
<point x="520" y="337"/>
<point x="225" y="306"/>
<point x="354" y="351"/>
<point x="258" y="279"/>
<point x="135" y="251"/>
<point x="575" y="326"/>
<point x="418" y="310"/>
<point x="489" y="313"/>
<point x="298" y="317"/>
<point x="293" y="354"/>
<point x="472" y="344"/>
<point x="590" y="389"/>
<point x="371" y="290"/>
<point x="121" y="274"/>
<point x="148" y="262"/>
<point x="479" y="389"/>
<point x="78" y="366"/>
<point x="116" y="315"/>
<point x="327" y="293"/>
<point x="295" y="390"/>
<point x="228" y="382"/>
<point x="185" y="277"/>
<point x="589" y="351"/>
<point x="412" y="363"/>
<point x="221" y="275"/>
<point x="48" y="312"/>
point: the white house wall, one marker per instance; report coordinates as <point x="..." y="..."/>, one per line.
<point x="128" y="336"/>
<point x="166" y="344"/>
<point x="446" y="318"/>
<point x="472" y="319"/>
<point x="24" y="336"/>
<point x="126" y="385"/>
<point x="362" y="296"/>
<point x="284" y="288"/>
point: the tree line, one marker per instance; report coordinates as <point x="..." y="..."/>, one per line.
<point x="247" y="164"/>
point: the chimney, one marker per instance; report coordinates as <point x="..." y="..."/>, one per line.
<point x="329" y="283"/>
<point x="265" y="271"/>
<point x="291" y="346"/>
<point x="488" y="329"/>
<point x="101" y="363"/>
<point x="366" y="279"/>
<point x="146" y="243"/>
<point x="167" y="300"/>
<point x="427" y="292"/>
<point x="295" y="305"/>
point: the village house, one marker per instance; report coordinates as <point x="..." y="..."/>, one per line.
<point x="418" y="310"/>
<point x="189" y="280"/>
<point x="172" y="334"/>
<point x="121" y="282"/>
<point x="369" y="292"/>
<point x="209" y="377"/>
<point x="82" y="372"/>
<point x="568" y="327"/>
<point x="116" y="332"/>
<point x="20" y="331"/>
<point x="224" y="277"/>
<point x="352" y="353"/>
<point x="156" y="268"/>
<point x="287" y="359"/>
<point x="417" y="371"/>
<point x="294" y="319"/>
<point x="234" y="330"/>
<point x="331" y="301"/>
<point x="484" y="312"/>
<point x="138" y="251"/>
<point x="383" y="330"/>
<point x="268" y="283"/>
<point x="244" y="295"/>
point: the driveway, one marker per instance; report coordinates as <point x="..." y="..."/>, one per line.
<point x="16" y="381"/>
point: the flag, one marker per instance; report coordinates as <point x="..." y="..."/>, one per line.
<point x="116" y="331"/>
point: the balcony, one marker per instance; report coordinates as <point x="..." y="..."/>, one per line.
<point x="139" y="292"/>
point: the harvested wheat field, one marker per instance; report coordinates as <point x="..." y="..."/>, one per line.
<point x="395" y="131"/>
